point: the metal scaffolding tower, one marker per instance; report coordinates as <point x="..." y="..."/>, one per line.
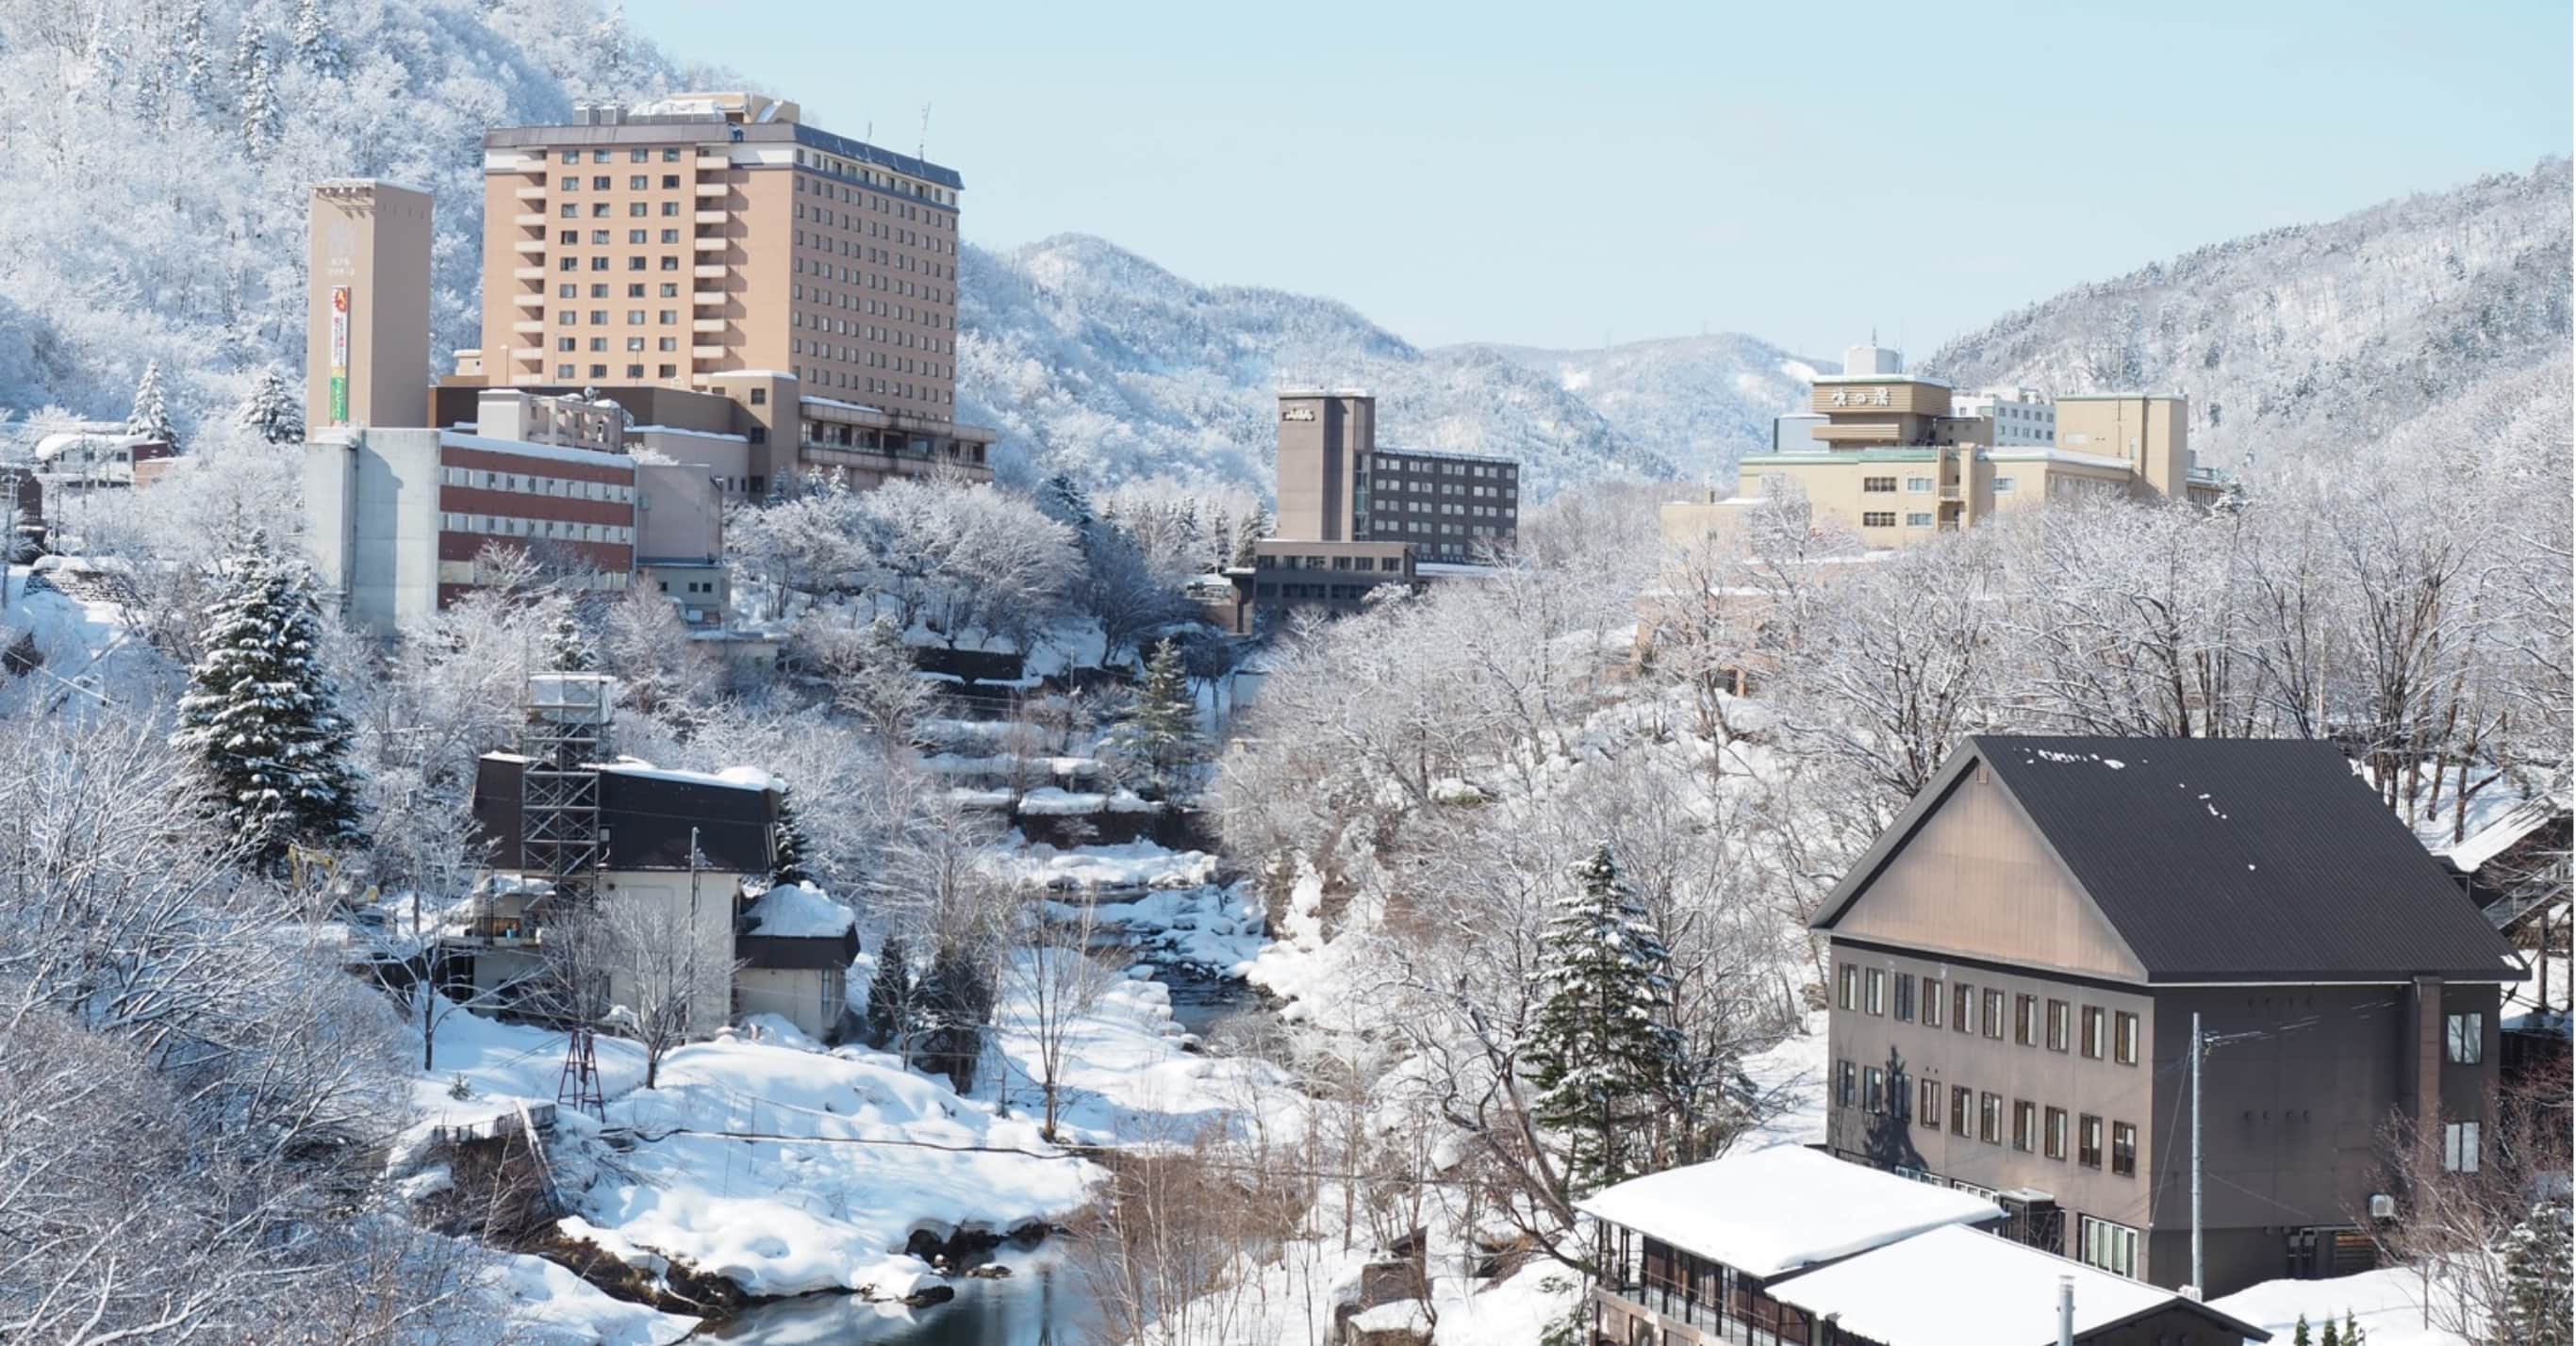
<point x="563" y="734"/>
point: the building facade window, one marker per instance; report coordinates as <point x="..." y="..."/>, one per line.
<point x="1994" y="1015"/>
<point x="1931" y="1002"/>
<point x="2025" y="1126"/>
<point x="1873" y="1089"/>
<point x="2124" y="1038"/>
<point x="1919" y="519"/>
<point x="1963" y="1007"/>
<point x="1927" y="1111"/>
<point x="1963" y="1100"/>
<point x="2093" y="1044"/>
<point x="2003" y="485"/>
<point x="1846" y="1084"/>
<point x="1990" y="1118"/>
<point x="1878" y="485"/>
<point x="1878" y="518"/>
<point x="1847" y="986"/>
<point x="2060" y="1022"/>
<point x="2053" y="1137"/>
<point x="2026" y="1020"/>
<point x="2460" y="1147"/>
<point x="1905" y="997"/>
<point x="2124" y="1149"/>
<point x="2088" y="1141"/>
<point x="1918" y="485"/>
<point x="2112" y="1247"/>
<point x="1877" y="993"/>
<point x="2466" y="1035"/>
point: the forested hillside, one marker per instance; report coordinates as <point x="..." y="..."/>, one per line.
<point x="1701" y="402"/>
<point x="160" y="151"/>
<point x="2314" y="338"/>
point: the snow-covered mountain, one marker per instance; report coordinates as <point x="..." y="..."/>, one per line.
<point x="1699" y="402"/>
<point x="2310" y="337"/>
<point x="1093" y="360"/>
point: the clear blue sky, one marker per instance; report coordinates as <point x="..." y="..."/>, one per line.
<point x="1573" y="173"/>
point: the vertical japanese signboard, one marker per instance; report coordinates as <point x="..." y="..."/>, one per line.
<point x="339" y="355"/>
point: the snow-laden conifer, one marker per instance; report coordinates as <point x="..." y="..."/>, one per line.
<point x="1603" y="1042"/>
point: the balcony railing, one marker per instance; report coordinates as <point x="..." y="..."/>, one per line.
<point x="1753" y="1321"/>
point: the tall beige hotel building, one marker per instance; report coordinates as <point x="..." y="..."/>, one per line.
<point x="676" y="242"/>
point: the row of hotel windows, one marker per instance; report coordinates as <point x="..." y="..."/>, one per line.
<point x="875" y="281"/>
<point x="1335" y="592"/>
<point x="669" y="263"/>
<point x="1401" y="505"/>
<point x="829" y="378"/>
<point x="844" y="327"/>
<point x="1442" y="467"/>
<point x="1388" y="482"/>
<point x="1261" y="562"/>
<point x="824" y="163"/>
<point x="1865" y="990"/>
<point x="600" y="237"/>
<point x="872" y="256"/>
<point x="1384" y="526"/>
<point x="1919" y="485"/>
<point x="670" y="155"/>
<point x="835" y="220"/>
<point x="599" y="211"/>
<point x="601" y="371"/>
<point x="640" y="182"/>
<point x="530" y="484"/>
<point x="568" y="344"/>
<point x="2035" y="1129"/>
<point x="1887" y="519"/>
<point x="878" y="307"/>
<point x="559" y="530"/>
<point x="902" y="364"/>
<point x="635" y="290"/>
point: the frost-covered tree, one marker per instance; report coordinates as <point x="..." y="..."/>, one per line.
<point x="1602" y="1043"/>
<point x="272" y="411"/>
<point x="150" y="418"/>
<point x="259" y="105"/>
<point x="2539" y="1281"/>
<point x="957" y="995"/>
<point x="1255" y="527"/>
<point x="315" y="44"/>
<point x="893" y="1006"/>
<point x="1066" y="502"/>
<point x="1160" y="730"/>
<point x="568" y="644"/>
<point x="262" y="715"/>
<point x="196" y="54"/>
<point x="791" y="858"/>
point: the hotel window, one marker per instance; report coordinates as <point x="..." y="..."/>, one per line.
<point x="572" y="156"/>
<point x="563" y="371"/>
<point x="668" y="344"/>
<point x="1849" y="987"/>
<point x="2088" y="1141"/>
<point x="668" y="236"/>
<point x="1878" y="485"/>
<point x="1905" y="997"/>
<point x="2025" y="1126"/>
<point x="1918" y="485"/>
<point x="670" y="180"/>
<point x="1877" y="1003"/>
<point x="2460" y="1147"/>
<point x="639" y="235"/>
<point x="599" y="183"/>
<point x="668" y="316"/>
<point x="670" y="289"/>
<point x="569" y="264"/>
<point x="1873" y="1090"/>
<point x="2467" y="1036"/>
<point x="569" y="237"/>
<point x="2124" y="1149"/>
<point x="2124" y="1038"/>
<point x="1931" y="1002"/>
<point x="637" y="209"/>
<point x="2060" y="1016"/>
<point x="1990" y="1118"/>
<point x="1919" y="519"/>
<point x="1963" y="1007"/>
<point x="670" y="207"/>
<point x="1927" y="1110"/>
<point x="2003" y="485"/>
<point x="2053" y="1138"/>
<point x="1994" y="1021"/>
<point x="639" y="182"/>
<point x="1877" y="518"/>
<point x="2093" y="1032"/>
<point x="2112" y="1247"/>
<point x="1846" y="1084"/>
<point x="1962" y="1099"/>
<point x="565" y="344"/>
<point x="2026" y="1020"/>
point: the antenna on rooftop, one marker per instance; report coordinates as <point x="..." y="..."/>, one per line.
<point x="921" y="147"/>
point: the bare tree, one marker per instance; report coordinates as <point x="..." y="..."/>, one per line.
<point x="1048" y="985"/>
<point x="657" y="968"/>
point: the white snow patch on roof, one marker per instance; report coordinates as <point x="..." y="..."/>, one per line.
<point x="1959" y="1287"/>
<point x="1775" y="1210"/>
<point x="800" y="911"/>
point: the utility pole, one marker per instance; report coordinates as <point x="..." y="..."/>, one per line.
<point x="2196" y="1282"/>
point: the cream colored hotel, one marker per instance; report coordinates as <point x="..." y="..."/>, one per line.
<point x="1899" y="458"/>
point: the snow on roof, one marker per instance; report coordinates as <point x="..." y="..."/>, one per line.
<point x="1775" y="1210"/>
<point x="684" y="430"/>
<point x="800" y="911"/>
<point x="2494" y="839"/>
<point x="1958" y="1287"/>
<point x="737" y="777"/>
<point x="56" y="445"/>
<point x="522" y="448"/>
<point x="836" y="402"/>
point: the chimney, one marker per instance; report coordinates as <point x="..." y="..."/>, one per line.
<point x="2065" y="1311"/>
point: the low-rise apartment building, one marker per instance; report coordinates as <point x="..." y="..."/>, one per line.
<point x="1899" y="458"/>
<point x="2020" y="962"/>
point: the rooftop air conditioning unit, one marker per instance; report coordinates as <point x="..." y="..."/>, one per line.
<point x="2383" y="1206"/>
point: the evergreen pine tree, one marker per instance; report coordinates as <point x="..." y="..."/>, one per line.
<point x="196" y="54"/>
<point x="568" y="645"/>
<point x="1255" y="527"/>
<point x="1062" y="499"/>
<point x="2300" y="1335"/>
<point x="259" y="96"/>
<point x="2334" y="1336"/>
<point x="261" y="713"/>
<point x="150" y="418"/>
<point x="2352" y="1335"/>
<point x="956" y="999"/>
<point x="315" y="45"/>
<point x="788" y="861"/>
<point x="1601" y="1043"/>
<point x="1161" y="728"/>
<point x="2539" y="1281"/>
<point x="888" y="1021"/>
<point x="271" y="412"/>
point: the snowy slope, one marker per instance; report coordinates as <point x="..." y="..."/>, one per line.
<point x="1093" y="360"/>
<point x="2310" y="339"/>
<point x="1700" y="403"/>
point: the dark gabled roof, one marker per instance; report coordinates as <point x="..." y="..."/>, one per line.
<point x="647" y="818"/>
<point x="2258" y="860"/>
